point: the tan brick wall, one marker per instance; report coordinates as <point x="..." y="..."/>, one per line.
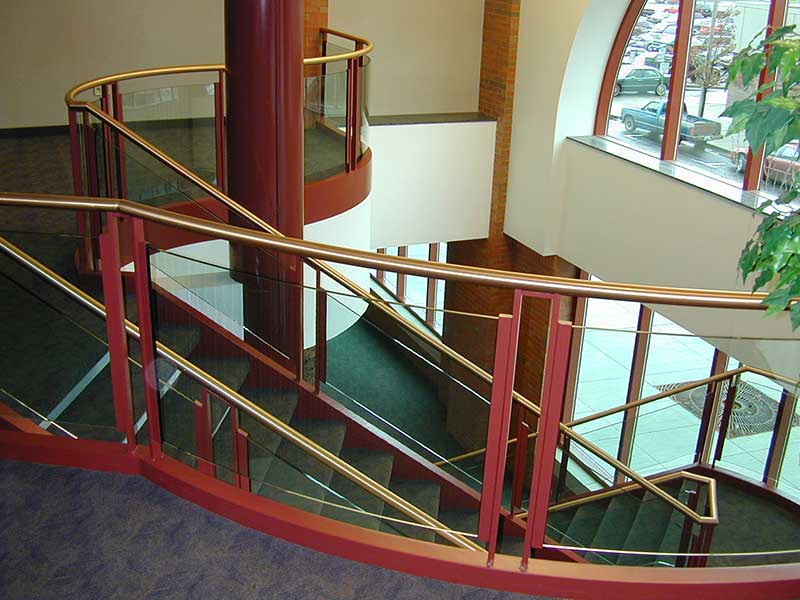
<point x="498" y="69"/>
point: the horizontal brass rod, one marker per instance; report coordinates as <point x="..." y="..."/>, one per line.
<point x="628" y="487"/>
<point x="259" y="414"/>
<point x="372" y="260"/>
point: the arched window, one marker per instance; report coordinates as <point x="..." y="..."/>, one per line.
<point x="674" y="54"/>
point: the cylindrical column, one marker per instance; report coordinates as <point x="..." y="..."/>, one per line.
<point x="264" y="60"/>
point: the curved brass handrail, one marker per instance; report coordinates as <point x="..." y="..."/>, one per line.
<point x="373" y="260"/>
<point x="71" y="97"/>
<point x="256" y="412"/>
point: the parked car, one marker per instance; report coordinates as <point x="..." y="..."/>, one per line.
<point x="640" y="80"/>
<point x="780" y="167"/>
<point x="651" y="118"/>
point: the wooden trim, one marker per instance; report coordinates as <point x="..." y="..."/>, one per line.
<point x="755" y="162"/>
<point x="613" y="64"/>
<point x="677" y="82"/>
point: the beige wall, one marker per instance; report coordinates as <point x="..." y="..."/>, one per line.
<point x="427" y="52"/>
<point x="49" y="45"/>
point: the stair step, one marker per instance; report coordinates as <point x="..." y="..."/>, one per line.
<point x="422" y="494"/>
<point x="375" y="465"/>
<point x="584" y="524"/>
<point x="647" y="530"/>
<point x="294" y="470"/>
<point x="614" y="527"/>
<point x="558" y="522"/>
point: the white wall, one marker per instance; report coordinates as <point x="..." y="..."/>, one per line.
<point x="563" y="50"/>
<point x="349" y="229"/>
<point x="431" y="182"/>
<point x="623" y="222"/>
<point x="50" y="45"/>
<point x="427" y="54"/>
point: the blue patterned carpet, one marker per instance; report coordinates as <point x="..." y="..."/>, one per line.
<point x="72" y="533"/>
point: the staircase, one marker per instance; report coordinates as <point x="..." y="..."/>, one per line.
<point x="633" y="521"/>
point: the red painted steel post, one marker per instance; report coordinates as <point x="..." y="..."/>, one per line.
<point x="323" y="73"/>
<point x="122" y="170"/>
<point x="105" y="104"/>
<point x="353" y="117"/>
<point x="547" y="440"/>
<point x="148" y="336"/>
<point x="82" y="218"/>
<point x="321" y="350"/>
<point x="92" y="189"/>
<point x="219" y="116"/>
<point x="494" y="465"/>
<point x="520" y="461"/>
<point x="114" y="297"/>
<point x="241" y="454"/>
<point x="204" y="445"/>
<point x="75" y="153"/>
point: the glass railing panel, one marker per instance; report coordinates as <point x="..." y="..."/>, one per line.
<point x="325" y="107"/>
<point x="789" y="476"/>
<point x="55" y="362"/>
<point x="176" y="117"/>
<point x="403" y="386"/>
<point x="751" y="426"/>
<point x="666" y="432"/>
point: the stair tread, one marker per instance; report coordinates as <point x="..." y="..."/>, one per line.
<point x="422" y="494"/>
<point x="613" y="529"/>
<point x="377" y="466"/>
<point x="294" y="470"/>
<point x="558" y="523"/>
<point x="584" y="524"/>
<point x="647" y="530"/>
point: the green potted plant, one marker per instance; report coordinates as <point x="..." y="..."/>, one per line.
<point x="770" y="119"/>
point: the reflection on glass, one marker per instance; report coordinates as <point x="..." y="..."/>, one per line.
<point x="642" y="83"/>
<point x="719" y="31"/>
<point x="751" y="426"/>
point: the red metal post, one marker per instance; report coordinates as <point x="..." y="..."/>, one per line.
<point x="219" y="131"/>
<point x="494" y="465"/>
<point x="552" y="403"/>
<point x="353" y="118"/>
<point x="105" y="104"/>
<point x="148" y="337"/>
<point x="321" y="349"/>
<point x="323" y="73"/>
<point x="241" y="454"/>
<point x="114" y="297"/>
<point x="520" y="460"/>
<point x="204" y="446"/>
<point x="75" y="153"/>
<point x="122" y="171"/>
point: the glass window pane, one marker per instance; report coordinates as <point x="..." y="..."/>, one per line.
<point x="719" y="30"/>
<point x="643" y="79"/>
<point x="789" y="478"/>
<point x="390" y="278"/>
<point x="417" y="287"/>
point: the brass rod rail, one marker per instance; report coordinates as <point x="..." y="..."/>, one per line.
<point x="358" y="258"/>
<point x="256" y="412"/>
<point x="713" y="510"/>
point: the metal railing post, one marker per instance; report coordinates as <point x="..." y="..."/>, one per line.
<point x="321" y="347"/>
<point x="114" y="297"/>
<point x="119" y="150"/>
<point x="147" y="335"/>
<point x="494" y="466"/>
<point x="552" y="404"/>
<point x="219" y="130"/>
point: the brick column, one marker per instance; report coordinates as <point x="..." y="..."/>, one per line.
<point x="496" y="99"/>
